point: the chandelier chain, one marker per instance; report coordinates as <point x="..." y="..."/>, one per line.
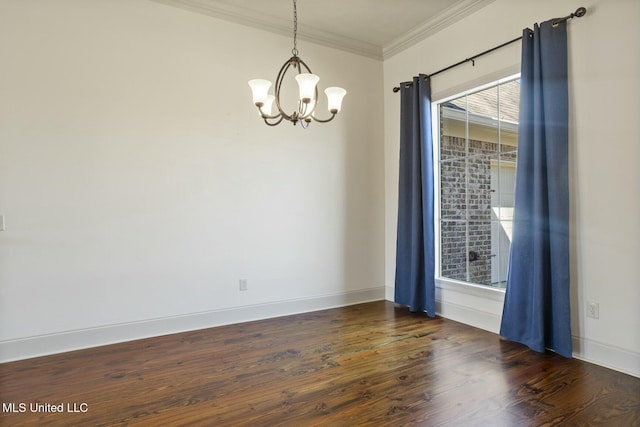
<point x="295" y="29"/>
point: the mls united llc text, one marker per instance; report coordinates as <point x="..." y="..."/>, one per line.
<point x="22" y="407"/>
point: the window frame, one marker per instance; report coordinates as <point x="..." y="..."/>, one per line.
<point x="437" y="218"/>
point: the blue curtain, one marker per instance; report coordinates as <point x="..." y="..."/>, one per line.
<point x="536" y="307"/>
<point x="415" y="280"/>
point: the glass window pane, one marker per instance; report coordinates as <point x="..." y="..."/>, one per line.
<point x="509" y="101"/>
<point x="452" y="147"/>
<point x="483" y="122"/>
<point x="478" y="152"/>
<point x="480" y="252"/>
<point x="484" y="103"/>
<point x="509" y="154"/>
<point x="479" y="188"/>
<point x="453" y="192"/>
<point x="502" y="201"/>
<point x="509" y="94"/>
<point x="508" y="141"/>
<point x="453" y="253"/>
<point x="453" y="131"/>
<point x="504" y="233"/>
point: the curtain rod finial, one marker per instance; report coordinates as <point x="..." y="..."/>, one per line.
<point x="580" y="12"/>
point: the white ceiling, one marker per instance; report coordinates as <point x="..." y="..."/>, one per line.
<point x="373" y="28"/>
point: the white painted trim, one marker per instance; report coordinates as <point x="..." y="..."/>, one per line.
<point x="606" y="355"/>
<point x="390" y="293"/>
<point x="239" y="15"/>
<point x="507" y="73"/>
<point x="467" y="314"/>
<point x="455" y="13"/>
<point x="598" y="353"/>
<point x="487" y="292"/>
<point x="485" y="320"/>
<point x="43" y="345"/>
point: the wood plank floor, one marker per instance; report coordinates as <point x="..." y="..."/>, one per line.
<point x="371" y="364"/>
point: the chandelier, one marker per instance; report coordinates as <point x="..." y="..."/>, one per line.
<point x="307" y="84"/>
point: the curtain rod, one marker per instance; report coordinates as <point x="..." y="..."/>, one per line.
<point x="580" y="12"/>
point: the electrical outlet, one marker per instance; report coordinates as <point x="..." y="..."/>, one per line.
<point x="244" y="285"/>
<point x="593" y="310"/>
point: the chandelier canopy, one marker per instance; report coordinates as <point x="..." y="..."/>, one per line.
<point x="307" y="84"/>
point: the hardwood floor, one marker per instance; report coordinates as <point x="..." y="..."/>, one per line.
<point x="371" y="364"/>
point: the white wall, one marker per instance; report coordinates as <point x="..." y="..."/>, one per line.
<point x="604" y="155"/>
<point x="139" y="184"/>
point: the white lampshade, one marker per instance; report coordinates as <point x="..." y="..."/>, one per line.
<point x="307" y="83"/>
<point x="268" y="104"/>
<point x="334" y="98"/>
<point x="260" y="90"/>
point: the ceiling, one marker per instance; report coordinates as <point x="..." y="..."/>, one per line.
<point x="373" y="28"/>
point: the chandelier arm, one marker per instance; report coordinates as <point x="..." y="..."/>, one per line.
<point x="267" y="116"/>
<point x="301" y="62"/>
<point x="307" y="113"/>
<point x="279" y="80"/>
<point x="306" y="110"/>
<point x="274" y="123"/>
<point x="324" y="120"/>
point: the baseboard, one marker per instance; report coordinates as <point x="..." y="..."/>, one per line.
<point x="487" y="320"/>
<point x="43" y="345"/>
<point x="606" y="355"/>
<point x="469" y="316"/>
<point x="591" y="351"/>
<point x="389" y="292"/>
<point x="584" y="349"/>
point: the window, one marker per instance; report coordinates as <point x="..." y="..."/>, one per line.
<point x="477" y="149"/>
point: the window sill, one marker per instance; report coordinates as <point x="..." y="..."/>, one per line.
<point x="495" y="294"/>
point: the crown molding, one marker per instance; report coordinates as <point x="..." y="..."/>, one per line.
<point x="455" y="13"/>
<point x="276" y="25"/>
<point x="228" y="12"/>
